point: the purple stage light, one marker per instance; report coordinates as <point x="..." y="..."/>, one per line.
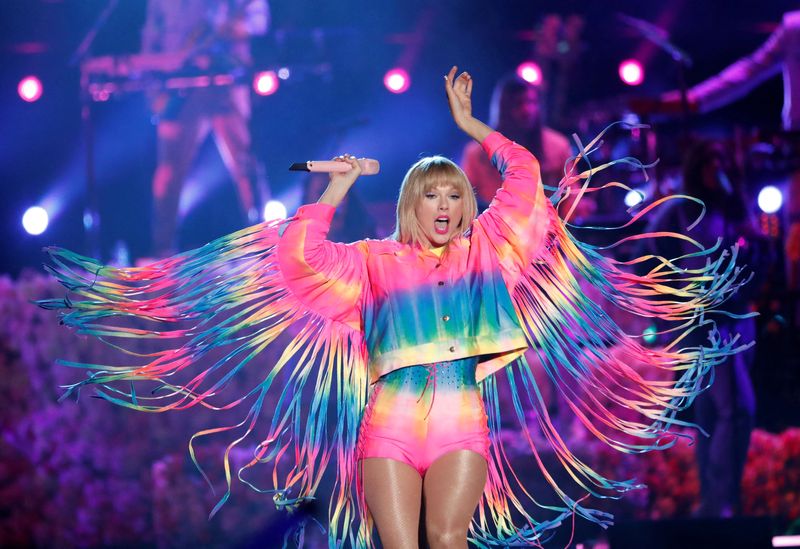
<point x="265" y="83"/>
<point x="631" y="72"/>
<point x="530" y="72"/>
<point x="397" y="80"/>
<point x="30" y="89"/>
<point x="770" y="199"/>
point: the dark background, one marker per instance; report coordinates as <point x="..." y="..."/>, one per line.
<point x="312" y="116"/>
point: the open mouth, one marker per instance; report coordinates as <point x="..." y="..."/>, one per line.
<point x="441" y="224"/>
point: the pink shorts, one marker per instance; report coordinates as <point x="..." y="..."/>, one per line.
<point x="419" y="413"/>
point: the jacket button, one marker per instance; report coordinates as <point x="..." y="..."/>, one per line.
<point x="446" y="318"/>
<point x="452" y="349"/>
<point x="441" y="283"/>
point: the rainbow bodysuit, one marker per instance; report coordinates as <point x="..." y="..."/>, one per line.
<point x="417" y="414"/>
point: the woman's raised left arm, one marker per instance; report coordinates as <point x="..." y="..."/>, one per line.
<point x="459" y="97"/>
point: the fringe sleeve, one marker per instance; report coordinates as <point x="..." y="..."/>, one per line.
<point x="240" y="303"/>
<point x="591" y="362"/>
<point x="516" y="220"/>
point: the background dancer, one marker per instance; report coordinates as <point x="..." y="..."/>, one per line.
<point x="213" y="37"/>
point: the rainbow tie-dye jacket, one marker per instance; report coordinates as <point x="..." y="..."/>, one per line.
<point x="316" y="322"/>
<point x="414" y="307"/>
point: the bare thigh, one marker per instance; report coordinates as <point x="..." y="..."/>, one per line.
<point x="393" y="492"/>
<point x="452" y="488"/>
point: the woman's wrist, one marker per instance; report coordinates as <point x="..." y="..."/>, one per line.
<point x="334" y="194"/>
<point x="476" y="129"/>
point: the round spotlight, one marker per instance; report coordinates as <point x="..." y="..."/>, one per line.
<point x="770" y="199"/>
<point x="265" y="83"/>
<point x="35" y="220"/>
<point x="634" y="197"/>
<point x="397" y="80"/>
<point x="284" y="73"/>
<point x="30" y="89"/>
<point x="273" y="210"/>
<point x="631" y="72"/>
<point x="530" y="72"/>
<point x="89" y="220"/>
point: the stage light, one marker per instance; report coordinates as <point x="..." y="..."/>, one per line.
<point x="35" y="220"/>
<point x="89" y="220"/>
<point x="634" y="197"/>
<point x="786" y="541"/>
<point x="631" y="72"/>
<point x="274" y="209"/>
<point x="30" y="89"/>
<point x="397" y="80"/>
<point x="284" y="73"/>
<point x="265" y="83"/>
<point x="530" y="72"/>
<point x="770" y="199"/>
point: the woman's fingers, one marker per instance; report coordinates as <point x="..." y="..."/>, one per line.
<point x="355" y="167"/>
<point x="448" y="81"/>
<point x="451" y="75"/>
<point x="459" y="90"/>
<point x="462" y="86"/>
<point x="339" y="183"/>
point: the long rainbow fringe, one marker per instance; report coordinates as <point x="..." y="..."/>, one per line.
<point x="578" y="346"/>
<point x="229" y="297"/>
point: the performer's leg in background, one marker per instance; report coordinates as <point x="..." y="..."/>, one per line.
<point x="232" y="136"/>
<point x="745" y="405"/>
<point x="178" y="141"/>
<point x="792" y="244"/>
<point x="726" y="411"/>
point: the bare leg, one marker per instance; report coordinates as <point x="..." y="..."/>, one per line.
<point x="792" y="244"/>
<point x="178" y="141"/>
<point x="393" y="492"/>
<point x="233" y="142"/>
<point x="453" y="486"/>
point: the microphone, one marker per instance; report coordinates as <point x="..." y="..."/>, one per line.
<point x="369" y="166"/>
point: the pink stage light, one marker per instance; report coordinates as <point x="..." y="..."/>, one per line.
<point x="530" y="72"/>
<point x="631" y="72"/>
<point x="265" y="83"/>
<point x="786" y="541"/>
<point x="30" y="89"/>
<point x="397" y="80"/>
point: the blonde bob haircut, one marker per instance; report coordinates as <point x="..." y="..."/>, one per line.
<point x="426" y="174"/>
